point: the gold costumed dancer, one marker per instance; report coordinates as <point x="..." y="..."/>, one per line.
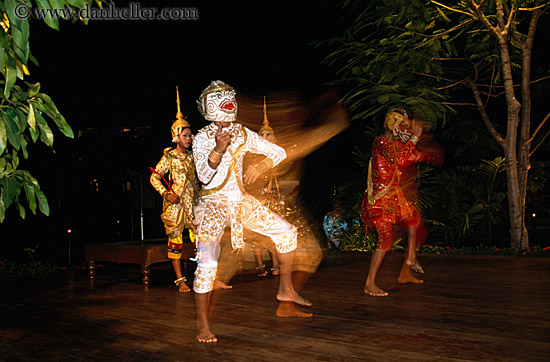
<point x="180" y="193"/>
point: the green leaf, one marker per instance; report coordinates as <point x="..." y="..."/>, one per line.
<point x="12" y="128"/>
<point x="46" y="134"/>
<point x="20" y="37"/>
<point x="2" y="210"/>
<point x="3" y="137"/>
<point x="9" y="192"/>
<point x="63" y="126"/>
<point x="24" y="146"/>
<point x="2" y="58"/>
<point x="30" y="179"/>
<point x="15" y="160"/>
<point x="25" y="33"/>
<point x="57" y="4"/>
<point x="10" y="11"/>
<point x="48" y="102"/>
<point x="30" y="118"/>
<point x="34" y="134"/>
<point x="33" y="89"/>
<point x="51" y="110"/>
<point x="76" y="3"/>
<point x="42" y="202"/>
<point x="21" y="210"/>
<point x="388" y="74"/>
<point x="48" y="19"/>
<point x="31" y="199"/>
<point x="11" y="77"/>
<point x="383" y="99"/>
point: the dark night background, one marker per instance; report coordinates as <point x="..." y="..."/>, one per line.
<point x="110" y="76"/>
<point x="114" y="81"/>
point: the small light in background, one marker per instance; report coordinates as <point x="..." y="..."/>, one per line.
<point x="69" y="231"/>
<point x="94" y="184"/>
<point x="534" y="215"/>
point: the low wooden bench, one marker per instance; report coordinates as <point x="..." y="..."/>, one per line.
<point x="144" y="253"/>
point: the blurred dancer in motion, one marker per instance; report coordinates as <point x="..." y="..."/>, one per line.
<point x="219" y="149"/>
<point x="301" y="129"/>
<point x="385" y="203"/>
<point x="179" y="197"/>
<point x="266" y="190"/>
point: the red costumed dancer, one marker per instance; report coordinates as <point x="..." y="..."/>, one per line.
<point x="390" y="196"/>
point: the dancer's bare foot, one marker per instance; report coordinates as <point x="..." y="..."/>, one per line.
<point x="221" y="285"/>
<point x="374" y="291"/>
<point x="275" y="271"/>
<point x="206" y="337"/>
<point x="288" y="310"/>
<point x="261" y="271"/>
<point x="183" y="288"/>
<point x="407" y="278"/>
<point x="293" y="297"/>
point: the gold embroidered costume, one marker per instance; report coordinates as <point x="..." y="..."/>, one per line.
<point x="181" y="169"/>
<point x="183" y="183"/>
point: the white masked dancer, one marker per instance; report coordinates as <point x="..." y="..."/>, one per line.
<point x="219" y="150"/>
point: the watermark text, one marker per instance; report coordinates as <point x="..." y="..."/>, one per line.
<point x="109" y="12"/>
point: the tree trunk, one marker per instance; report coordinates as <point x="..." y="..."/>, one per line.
<point x="524" y="148"/>
<point x="515" y="167"/>
<point x="519" y="238"/>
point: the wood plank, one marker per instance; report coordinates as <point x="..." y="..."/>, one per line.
<point x="470" y="308"/>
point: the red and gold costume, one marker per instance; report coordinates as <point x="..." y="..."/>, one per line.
<point x="390" y="198"/>
<point x="181" y="169"/>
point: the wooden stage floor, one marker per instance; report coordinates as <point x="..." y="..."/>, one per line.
<point x="470" y="308"/>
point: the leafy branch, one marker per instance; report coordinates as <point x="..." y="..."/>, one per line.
<point x="26" y="114"/>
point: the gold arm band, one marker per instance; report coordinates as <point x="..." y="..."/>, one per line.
<point x="215" y="157"/>
<point x="414" y="140"/>
<point x="268" y="162"/>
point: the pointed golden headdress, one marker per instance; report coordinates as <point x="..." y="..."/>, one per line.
<point x="181" y="122"/>
<point x="265" y="129"/>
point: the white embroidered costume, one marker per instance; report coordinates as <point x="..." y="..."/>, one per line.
<point x="224" y="202"/>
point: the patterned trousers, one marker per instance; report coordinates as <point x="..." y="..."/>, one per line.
<point x="214" y="214"/>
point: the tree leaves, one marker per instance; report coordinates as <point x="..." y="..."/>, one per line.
<point x="48" y="19"/>
<point x="388" y="56"/>
<point x="26" y="114"/>
<point x="10" y="192"/>
<point x="50" y="109"/>
<point x="46" y="134"/>
<point x="470" y="202"/>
